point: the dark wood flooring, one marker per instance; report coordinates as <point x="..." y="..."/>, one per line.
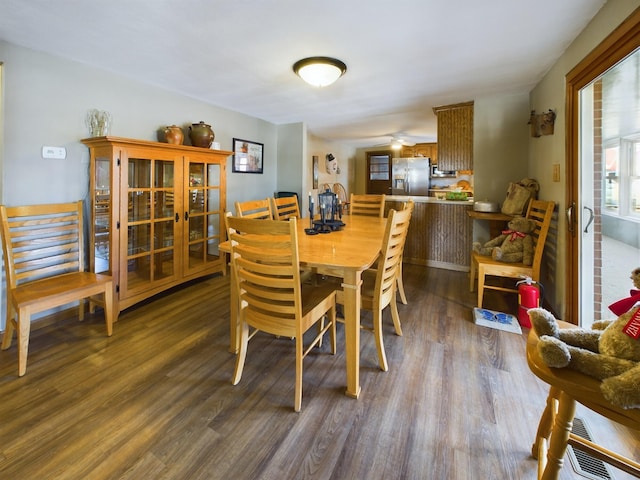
<point x="154" y="401"/>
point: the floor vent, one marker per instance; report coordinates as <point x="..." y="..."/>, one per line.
<point x="583" y="463"/>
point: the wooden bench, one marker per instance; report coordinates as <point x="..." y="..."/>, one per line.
<point x="44" y="264"/>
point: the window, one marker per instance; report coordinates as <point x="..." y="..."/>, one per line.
<point x="622" y="177"/>
<point x="379" y="167"/>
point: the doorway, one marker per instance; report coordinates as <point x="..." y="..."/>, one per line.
<point x="603" y="148"/>
<point x="379" y="173"/>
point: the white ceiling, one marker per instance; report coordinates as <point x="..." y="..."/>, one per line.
<point x="403" y="56"/>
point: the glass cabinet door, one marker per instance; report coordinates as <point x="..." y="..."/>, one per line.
<point x="102" y="205"/>
<point x="203" y="217"/>
<point x="151" y="223"/>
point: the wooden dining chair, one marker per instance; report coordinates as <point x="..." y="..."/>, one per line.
<point x="343" y="198"/>
<point x="369" y="205"/>
<point x="272" y="299"/>
<point x="566" y="387"/>
<point x="403" y="297"/>
<point x="541" y="212"/>
<point x="258" y="209"/>
<point x="284" y="208"/>
<point x="379" y="285"/>
<point x="44" y="264"/>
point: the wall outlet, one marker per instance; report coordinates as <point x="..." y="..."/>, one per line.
<point x="54" y="152"/>
<point x="556" y="172"/>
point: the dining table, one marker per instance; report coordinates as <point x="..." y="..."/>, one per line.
<point x="344" y="253"/>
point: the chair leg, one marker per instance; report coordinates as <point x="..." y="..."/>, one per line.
<point x="108" y="310"/>
<point x="298" y="389"/>
<point x="403" y="297"/>
<point x="395" y="316"/>
<point x="546" y="424"/>
<point x="472" y="275"/>
<point x="23" y="330"/>
<point x="377" y="332"/>
<point x="332" y="332"/>
<point x="559" y="437"/>
<point x="480" y="286"/>
<point x="7" y="338"/>
<point x="242" y="354"/>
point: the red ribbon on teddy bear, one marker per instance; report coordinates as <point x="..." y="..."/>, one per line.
<point x="514" y="234"/>
<point x="623" y="306"/>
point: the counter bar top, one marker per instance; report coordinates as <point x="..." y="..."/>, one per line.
<point x="421" y="199"/>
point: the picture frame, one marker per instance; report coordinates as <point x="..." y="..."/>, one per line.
<point x="248" y="156"/>
<point x="315" y="171"/>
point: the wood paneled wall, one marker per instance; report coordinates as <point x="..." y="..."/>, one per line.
<point x="440" y="235"/>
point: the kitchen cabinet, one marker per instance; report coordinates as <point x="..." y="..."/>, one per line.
<point x="157" y="214"/>
<point x="429" y="150"/>
<point x="455" y="136"/>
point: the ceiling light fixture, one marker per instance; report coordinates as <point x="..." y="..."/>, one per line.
<point x="396" y="144"/>
<point x="319" y="71"/>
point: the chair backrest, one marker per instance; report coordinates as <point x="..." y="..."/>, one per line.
<point x="369" y="205"/>
<point x="341" y="192"/>
<point x="259" y="209"/>
<point x="393" y="242"/>
<point x="541" y="212"/>
<point x="40" y="241"/>
<point x="265" y="262"/>
<point x="285" y="207"/>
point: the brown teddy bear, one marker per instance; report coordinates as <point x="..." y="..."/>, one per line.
<point x="513" y="245"/>
<point x="609" y="352"/>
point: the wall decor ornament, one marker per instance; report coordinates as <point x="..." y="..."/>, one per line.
<point x="542" y="123"/>
<point x="331" y="163"/>
<point x="247" y="156"/>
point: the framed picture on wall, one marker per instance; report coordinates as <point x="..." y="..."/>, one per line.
<point x="247" y="156"/>
<point x="315" y="171"/>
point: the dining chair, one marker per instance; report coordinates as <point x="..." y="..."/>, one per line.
<point x="403" y="297"/>
<point x="369" y="205"/>
<point x="257" y="209"/>
<point x="44" y="264"/>
<point x="379" y="285"/>
<point x="566" y="388"/>
<point x="343" y="198"/>
<point x="482" y="266"/>
<point x="272" y="299"/>
<point x="284" y="208"/>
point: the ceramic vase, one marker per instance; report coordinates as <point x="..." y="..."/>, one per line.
<point x="201" y="135"/>
<point x="173" y="134"/>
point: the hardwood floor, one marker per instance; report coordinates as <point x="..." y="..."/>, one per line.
<point x="155" y="400"/>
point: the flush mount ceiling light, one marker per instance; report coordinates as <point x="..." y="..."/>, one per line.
<point x="319" y="71"/>
<point x="396" y="144"/>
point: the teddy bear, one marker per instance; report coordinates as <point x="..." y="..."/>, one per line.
<point x="514" y="244"/>
<point x="609" y="352"/>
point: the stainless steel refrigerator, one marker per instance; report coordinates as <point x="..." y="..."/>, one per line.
<point x="410" y="176"/>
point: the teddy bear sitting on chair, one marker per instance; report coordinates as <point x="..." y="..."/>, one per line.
<point x="609" y="351"/>
<point x="514" y="245"/>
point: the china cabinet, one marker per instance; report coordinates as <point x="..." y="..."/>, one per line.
<point x="157" y="214"/>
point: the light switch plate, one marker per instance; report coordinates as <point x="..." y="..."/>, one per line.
<point x="556" y="172"/>
<point x="54" y="152"/>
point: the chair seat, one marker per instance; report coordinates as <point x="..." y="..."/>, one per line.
<point x="56" y="291"/>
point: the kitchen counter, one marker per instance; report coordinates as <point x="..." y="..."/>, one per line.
<point x="421" y="199"/>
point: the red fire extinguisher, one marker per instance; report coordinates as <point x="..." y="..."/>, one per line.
<point x="528" y="297"/>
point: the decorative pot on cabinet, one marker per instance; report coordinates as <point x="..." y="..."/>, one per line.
<point x="201" y="135"/>
<point x="173" y="134"/>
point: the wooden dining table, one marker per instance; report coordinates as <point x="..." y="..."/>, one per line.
<point x="345" y="254"/>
